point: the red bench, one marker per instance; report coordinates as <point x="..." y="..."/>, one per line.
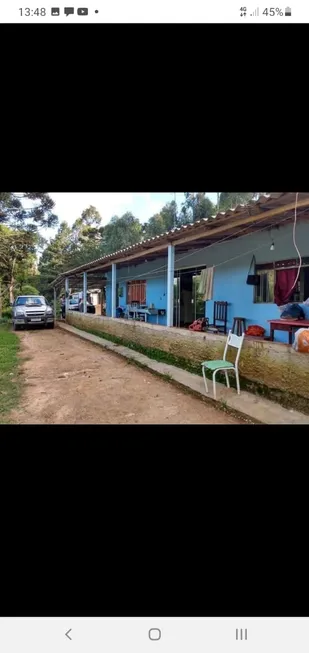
<point x="287" y="325"/>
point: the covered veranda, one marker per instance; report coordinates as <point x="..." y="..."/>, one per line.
<point x="244" y="219"/>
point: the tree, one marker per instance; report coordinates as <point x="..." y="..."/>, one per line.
<point x="164" y="221"/>
<point x="72" y="247"/>
<point x="87" y="227"/>
<point x="169" y="215"/>
<point x="29" y="290"/>
<point x="14" y="213"/>
<point x="56" y="256"/>
<point x="19" y="236"/>
<point x="197" y="206"/>
<point x="230" y="200"/>
<point x="2" y="294"/>
<point x="121" y="232"/>
<point x="16" y="247"/>
<point x="87" y="237"/>
<point x="26" y="271"/>
<point x="154" y="227"/>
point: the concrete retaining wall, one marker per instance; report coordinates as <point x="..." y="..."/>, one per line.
<point x="275" y="365"/>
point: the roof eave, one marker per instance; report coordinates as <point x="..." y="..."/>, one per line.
<point x="175" y="235"/>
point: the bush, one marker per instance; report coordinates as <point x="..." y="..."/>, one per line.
<point x="7" y="313"/>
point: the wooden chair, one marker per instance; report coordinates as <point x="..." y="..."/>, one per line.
<point x="220" y="315"/>
<point x="239" y="326"/>
<point x="224" y="365"/>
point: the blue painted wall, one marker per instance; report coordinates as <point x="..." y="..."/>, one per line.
<point x="156" y="287"/>
<point x="229" y="276"/>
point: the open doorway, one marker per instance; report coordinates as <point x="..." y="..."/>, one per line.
<point x="189" y="304"/>
<point x="301" y="290"/>
<point x="306" y="283"/>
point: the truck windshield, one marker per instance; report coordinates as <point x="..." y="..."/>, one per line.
<point x="30" y="301"/>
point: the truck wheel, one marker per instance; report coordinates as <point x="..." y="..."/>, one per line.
<point x="15" y="327"/>
<point x="51" y="326"/>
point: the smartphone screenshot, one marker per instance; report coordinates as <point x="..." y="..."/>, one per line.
<point x="154" y="11"/>
<point x="208" y="292"/>
<point x="154" y="635"/>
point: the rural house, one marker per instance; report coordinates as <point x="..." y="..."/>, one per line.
<point x="157" y="284"/>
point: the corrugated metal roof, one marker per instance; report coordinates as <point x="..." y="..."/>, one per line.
<point x="264" y="203"/>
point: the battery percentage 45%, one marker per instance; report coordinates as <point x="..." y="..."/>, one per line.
<point x="273" y="12"/>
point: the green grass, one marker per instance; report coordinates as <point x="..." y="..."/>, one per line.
<point x="9" y="383"/>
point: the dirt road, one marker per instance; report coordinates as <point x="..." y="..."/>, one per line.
<point x="68" y="381"/>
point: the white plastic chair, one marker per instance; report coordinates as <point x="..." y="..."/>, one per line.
<point x="224" y="365"/>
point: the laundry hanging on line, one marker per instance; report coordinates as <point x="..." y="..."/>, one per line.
<point x="203" y="280"/>
<point x="206" y="283"/>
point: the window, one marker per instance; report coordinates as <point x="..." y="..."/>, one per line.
<point x="265" y="291"/>
<point x="30" y="301"/>
<point x="136" y="292"/>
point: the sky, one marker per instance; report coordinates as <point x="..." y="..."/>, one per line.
<point x="69" y="206"/>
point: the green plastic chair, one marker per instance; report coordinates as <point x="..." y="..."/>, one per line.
<point x="224" y="365"/>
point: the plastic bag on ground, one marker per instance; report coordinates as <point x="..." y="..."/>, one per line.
<point x="301" y="342"/>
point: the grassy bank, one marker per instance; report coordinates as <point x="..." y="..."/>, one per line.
<point x="286" y="399"/>
<point x="9" y="385"/>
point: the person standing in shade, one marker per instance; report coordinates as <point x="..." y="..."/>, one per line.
<point x="63" y="306"/>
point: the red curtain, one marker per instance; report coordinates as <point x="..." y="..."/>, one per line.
<point x="136" y="292"/>
<point x="284" y="288"/>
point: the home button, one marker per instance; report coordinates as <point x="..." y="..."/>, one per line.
<point x="154" y="634"/>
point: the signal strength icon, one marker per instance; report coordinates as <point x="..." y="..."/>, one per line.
<point x="256" y="12"/>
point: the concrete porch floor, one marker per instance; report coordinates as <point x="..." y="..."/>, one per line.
<point x="249" y="405"/>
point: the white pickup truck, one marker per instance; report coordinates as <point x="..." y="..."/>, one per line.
<point x="32" y="310"/>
